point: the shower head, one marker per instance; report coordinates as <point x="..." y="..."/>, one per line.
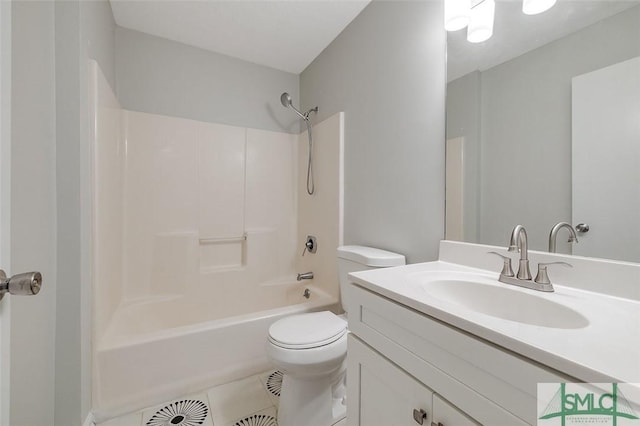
<point x="286" y="100"/>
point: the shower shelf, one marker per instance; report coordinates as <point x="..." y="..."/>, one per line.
<point x="241" y="238"/>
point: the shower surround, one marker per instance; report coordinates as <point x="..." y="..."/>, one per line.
<point x="197" y="234"/>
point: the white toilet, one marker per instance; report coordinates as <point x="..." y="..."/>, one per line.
<point x="310" y="349"/>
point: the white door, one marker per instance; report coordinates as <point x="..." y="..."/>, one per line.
<point x="22" y="283"/>
<point x="606" y="161"/>
<point x="5" y="175"/>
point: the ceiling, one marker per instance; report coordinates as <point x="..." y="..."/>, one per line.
<point x="289" y="34"/>
<point x="286" y="35"/>
<point x="516" y="33"/>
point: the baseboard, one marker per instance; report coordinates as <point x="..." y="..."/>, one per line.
<point x="89" y="421"/>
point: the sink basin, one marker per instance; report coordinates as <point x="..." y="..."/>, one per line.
<point x="502" y="302"/>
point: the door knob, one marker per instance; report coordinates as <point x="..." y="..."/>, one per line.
<point x="25" y="284"/>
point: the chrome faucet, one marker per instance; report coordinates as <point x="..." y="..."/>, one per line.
<point x="518" y="242"/>
<point x="305" y="276"/>
<point x="554" y="233"/>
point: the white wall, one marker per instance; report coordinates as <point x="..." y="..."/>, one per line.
<point x="33" y="205"/>
<point x="386" y="71"/>
<point x="526" y="127"/>
<point x="164" y="77"/>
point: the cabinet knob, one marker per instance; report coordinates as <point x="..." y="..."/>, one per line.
<point x="419" y="415"/>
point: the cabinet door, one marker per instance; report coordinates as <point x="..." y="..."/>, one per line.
<point x="380" y="393"/>
<point x="445" y="414"/>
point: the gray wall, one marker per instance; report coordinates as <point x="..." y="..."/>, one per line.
<point x="160" y="76"/>
<point x="83" y="30"/>
<point x="526" y="127"/>
<point x="386" y="71"/>
<point x="33" y="203"/>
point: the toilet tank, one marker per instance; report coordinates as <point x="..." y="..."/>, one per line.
<point x="361" y="258"/>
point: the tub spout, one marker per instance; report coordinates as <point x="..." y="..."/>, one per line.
<point x="305" y="276"/>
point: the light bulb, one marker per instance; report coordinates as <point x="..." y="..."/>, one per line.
<point x="481" y="22"/>
<point x="456" y="14"/>
<point x="533" y="7"/>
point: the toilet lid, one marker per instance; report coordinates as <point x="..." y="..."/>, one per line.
<point x="306" y="331"/>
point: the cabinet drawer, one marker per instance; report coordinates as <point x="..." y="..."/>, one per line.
<point x="465" y="370"/>
<point x="445" y="414"/>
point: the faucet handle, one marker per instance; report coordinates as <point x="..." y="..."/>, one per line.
<point x="543" y="277"/>
<point x="507" y="271"/>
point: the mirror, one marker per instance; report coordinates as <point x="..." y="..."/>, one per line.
<point x="514" y="148"/>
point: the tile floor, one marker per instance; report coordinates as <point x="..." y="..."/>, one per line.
<point x="247" y="402"/>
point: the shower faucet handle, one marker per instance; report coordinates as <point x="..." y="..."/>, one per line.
<point x="310" y="245"/>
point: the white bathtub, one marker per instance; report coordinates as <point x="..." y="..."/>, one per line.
<point x="154" y="351"/>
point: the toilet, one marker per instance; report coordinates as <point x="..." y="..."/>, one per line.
<point x="311" y="349"/>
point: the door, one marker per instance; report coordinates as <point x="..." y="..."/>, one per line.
<point x="28" y="283"/>
<point x="606" y="161"/>
<point x="5" y="175"/>
<point x="380" y="393"/>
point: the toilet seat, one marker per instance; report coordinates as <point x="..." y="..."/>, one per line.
<point x="306" y="331"/>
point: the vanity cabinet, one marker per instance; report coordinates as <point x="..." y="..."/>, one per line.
<point x="387" y="395"/>
<point x="401" y="360"/>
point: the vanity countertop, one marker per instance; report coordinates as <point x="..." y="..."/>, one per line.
<point x="605" y="349"/>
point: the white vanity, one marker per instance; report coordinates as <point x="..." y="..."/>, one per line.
<point x="445" y="343"/>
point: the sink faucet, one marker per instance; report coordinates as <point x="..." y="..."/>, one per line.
<point x="305" y="276"/>
<point x="518" y="242"/>
<point x="554" y="233"/>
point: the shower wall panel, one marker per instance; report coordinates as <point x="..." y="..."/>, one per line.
<point x="160" y="203"/>
<point x="272" y="210"/>
<point x="206" y="204"/>
<point x="321" y="214"/>
<point x="108" y="166"/>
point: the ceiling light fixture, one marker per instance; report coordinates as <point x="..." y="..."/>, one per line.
<point x="533" y="7"/>
<point x="478" y="15"/>
<point x="481" y="23"/>
<point x="456" y="14"/>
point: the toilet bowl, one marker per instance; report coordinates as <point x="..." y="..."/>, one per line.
<point x="310" y="349"/>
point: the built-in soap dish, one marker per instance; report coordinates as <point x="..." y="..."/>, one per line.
<point x="188" y="412"/>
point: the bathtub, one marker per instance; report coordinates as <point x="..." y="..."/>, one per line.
<point x="157" y="350"/>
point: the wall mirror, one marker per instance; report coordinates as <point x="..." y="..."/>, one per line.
<point x="543" y="126"/>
